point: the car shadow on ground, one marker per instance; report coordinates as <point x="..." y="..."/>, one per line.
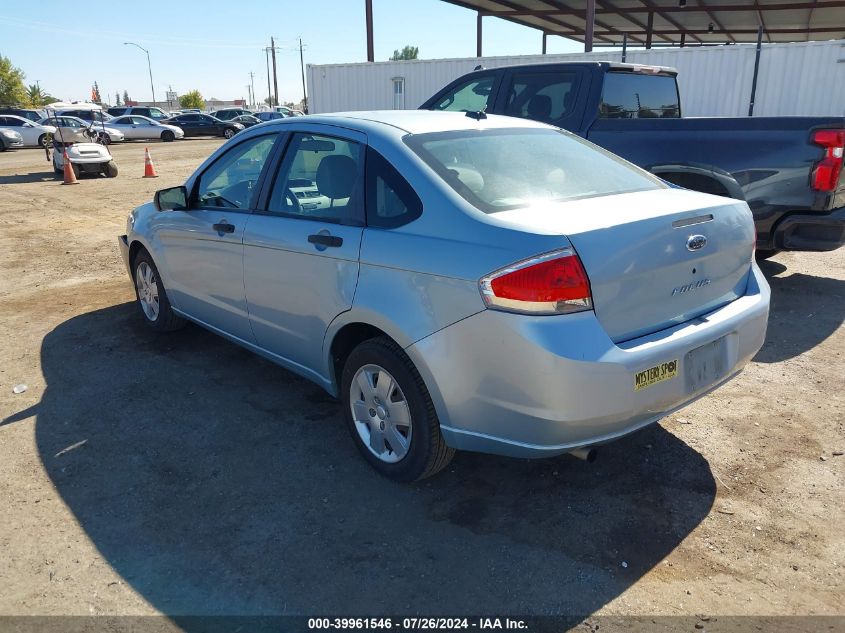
<point x="38" y="176"/>
<point x="805" y="310"/>
<point x="215" y="482"/>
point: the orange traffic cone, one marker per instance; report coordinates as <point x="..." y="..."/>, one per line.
<point x="149" y="168"/>
<point x="70" y="176"/>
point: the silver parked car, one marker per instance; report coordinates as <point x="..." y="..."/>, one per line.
<point x="135" y="127"/>
<point x="458" y="281"/>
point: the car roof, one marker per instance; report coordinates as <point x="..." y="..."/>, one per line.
<point x="410" y="121"/>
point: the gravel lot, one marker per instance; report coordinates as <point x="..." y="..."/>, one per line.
<point x="179" y="474"/>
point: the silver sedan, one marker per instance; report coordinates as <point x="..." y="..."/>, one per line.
<point x="136" y="127"/>
<point x="458" y="281"/>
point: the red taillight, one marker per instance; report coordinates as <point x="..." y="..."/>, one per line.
<point x="554" y="283"/>
<point x="827" y="170"/>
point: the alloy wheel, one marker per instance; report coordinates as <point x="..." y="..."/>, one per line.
<point x="147" y="286"/>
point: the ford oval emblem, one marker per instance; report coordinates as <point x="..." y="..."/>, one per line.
<point x="696" y="242"/>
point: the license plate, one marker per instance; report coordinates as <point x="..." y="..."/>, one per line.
<point x="705" y="365"/>
<point x="656" y="374"/>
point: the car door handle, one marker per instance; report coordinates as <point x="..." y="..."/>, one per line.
<point x="224" y="227"/>
<point x="323" y="239"/>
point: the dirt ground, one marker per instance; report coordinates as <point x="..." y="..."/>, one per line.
<point x="179" y="474"/>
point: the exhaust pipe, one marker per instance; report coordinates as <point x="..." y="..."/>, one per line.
<point x="587" y="454"/>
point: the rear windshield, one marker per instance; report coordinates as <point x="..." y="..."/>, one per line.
<point x="500" y="169"/>
<point x="636" y="96"/>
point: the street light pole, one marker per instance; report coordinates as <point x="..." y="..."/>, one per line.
<point x="149" y="67"/>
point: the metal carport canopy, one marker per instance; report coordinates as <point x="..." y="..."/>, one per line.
<point x="669" y="22"/>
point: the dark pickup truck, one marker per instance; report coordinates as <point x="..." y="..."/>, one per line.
<point x="788" y="169"/>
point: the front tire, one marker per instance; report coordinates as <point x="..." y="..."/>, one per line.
<point x="167" y="136"/>
<point x="152" y="297"/>
<point x="389" y="413"/>
<point x="110" y="169"/>
<point x="228" y="133"/>
<point x="104" y="139"/>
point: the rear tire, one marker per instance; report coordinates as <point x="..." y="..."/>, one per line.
<point x="763" y="255"/>
<point x="167" y="136"/>
<point x="152" y="297"/>
<point x="425" y="451"/>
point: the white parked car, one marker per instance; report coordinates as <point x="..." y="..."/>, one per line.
<point x="33" y="134"/>
<point x="71" y="129"/>
<point x="141" y="127"/>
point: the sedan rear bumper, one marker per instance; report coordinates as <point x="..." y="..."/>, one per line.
<point x="539" y="386"/>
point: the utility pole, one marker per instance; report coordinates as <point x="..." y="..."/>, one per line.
<point x="275" y="80"/>
<point x="302" y="69"/>
<point x="249" y="100"/>
<point x="252" y="88"/>
<point x="267" y="63"/>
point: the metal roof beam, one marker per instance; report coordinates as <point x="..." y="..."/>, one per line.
<point x="597" y="23"/>
<point x="762" y="21"/>
<point x="715" y="21"/>
<point x="575" y="30"/>
<point x="610" y="10"/>
<point x="775" y="31"/>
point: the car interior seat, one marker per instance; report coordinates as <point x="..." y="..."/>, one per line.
<point x="335" y="177"/>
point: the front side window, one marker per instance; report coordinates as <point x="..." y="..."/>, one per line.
<point x="472" y="96"/>
<point x="501" y="169"/>
<point x="542" y="97"/>
<point x="318" y="179"/>
<point x="628" y="95"/>
<point x="229" y="183"/>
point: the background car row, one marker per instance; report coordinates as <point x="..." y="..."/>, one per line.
<point x="90" y="122"/>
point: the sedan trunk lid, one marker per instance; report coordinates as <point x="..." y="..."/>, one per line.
<point x="654" y="258"/>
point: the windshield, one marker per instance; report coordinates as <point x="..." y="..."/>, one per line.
<point x="501" y="169"/>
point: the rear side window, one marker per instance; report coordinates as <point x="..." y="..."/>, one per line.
<point x="391" y="201"/>
<point x="542" y="97"/>
<point x="628" y="95"/>
<point x="508" y="168"/>
<point x="471" y="96"/>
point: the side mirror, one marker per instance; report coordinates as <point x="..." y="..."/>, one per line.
<point x="171" y="199"/>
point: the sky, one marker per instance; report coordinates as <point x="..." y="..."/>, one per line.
<point x="212" y="46"/>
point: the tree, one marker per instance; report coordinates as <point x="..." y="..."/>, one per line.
<point x="12" y="89"/>
<point x="117" y="99"/>
<point x="409" y="52"/>
<point x="36" y="97"/>
<point x="126" y="97"/>
<point x="270" y="101"/>
<point x="95" y="94"/>
<point x="192" y="99"/>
